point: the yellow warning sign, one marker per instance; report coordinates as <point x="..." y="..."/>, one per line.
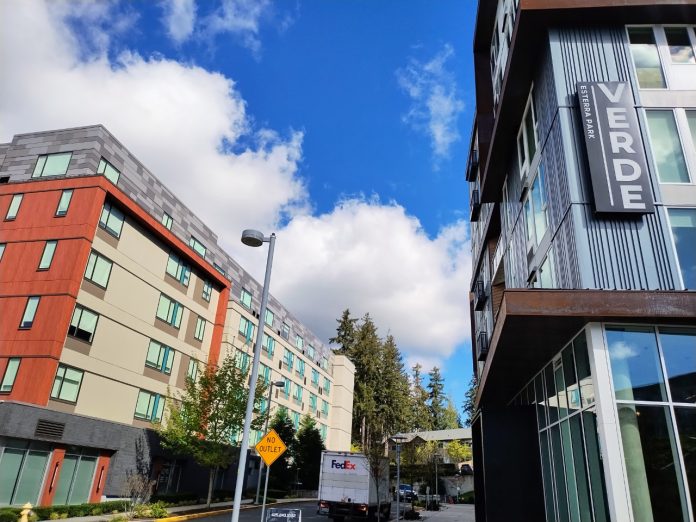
<point x="270" y="447"/>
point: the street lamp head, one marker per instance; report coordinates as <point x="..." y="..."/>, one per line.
<point x="278" y="383"/>
<point x="252" y="238"/>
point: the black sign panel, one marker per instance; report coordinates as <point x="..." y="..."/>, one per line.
<point x="283" y="515"/>
<point x="614" y="148"/>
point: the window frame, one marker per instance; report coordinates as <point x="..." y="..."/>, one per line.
<point x="534" y="241"/>
<point x="265" y="320"/>
<point x="6" y="375"/>
<point x="244" y="296"/>
<point x="63" y="194"/>
<point x="15" y="206"/>
<point x="182" y="270"/>
<point x="207" y="291"/>
<point x="77" y="327"/>
<point x="526" y="165"/>
<point x="165" y="357"/>
<point x="684" y="140"/>
<point x="196" y="246"/>
<point x="25" y="315"/>
<point x="101" y="169"/>
<point x="104" y="222"/>
<point x="245" y="331"/>
<point x="3" y="246"/>
<point x="193" y="363"/>
<point x="175" y="308"/>
<point x="97" y="257"/>
<point x="299" y="342"/>
<point x="154" y="400"/>
<point x="674" y="243"/>
<point x="167" y="220"/>
<point x="65" y="369"/>
<point x="45" y="157"/>
<point x="50" y="250"/>
<point x="199" y="332"/>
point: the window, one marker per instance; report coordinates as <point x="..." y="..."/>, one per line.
<point x="169" y="311"/>
<point x="681" y="49"/>
<point x="289" y="359"/>
<point x="98" y="269"/>
<point x="219" y="269"/>
<point x="265" y="373"/>
<point x="324" y="407"/>
<point x="112" y="220"/>
<point x="47" y="256"/>
<point x="149" y="406"/>
<point x="666" y="147"/>
<point x="269" y="317"/>
<point x="10" y="375"/>
<point x="29" y="312"/>
<point x="207" y="290"/>
<point x="268" y="344"/>
<point x="160" y="357"/>
<point x="683" y="224"/>
<point x="200" y="329"/>
<point x="178" y="269"/>
<point x="527" y="137"/>
<point x="14" y="207"/>
<point x="109" y="171"/>
<point x="298" y="393"/>
<point x="545" y="276"/>
<point x="2" y="250"/>
<point x="167" y="220"/>
<point x="323" y="431"/>
<point x="299" y="343"/>
<point x="285" y="331"/>
<point x="286" y="388"/>
<point x="296" y="420"/>
<point x="241" y="360"/>
<point x="646" y="58"/>
<point x="315" y="377"/>
<point x="246" y="298"/>
<point x="83" y="324"/>
<point x="52" y="165"/>
<point x="66" y="385"/>
<point x="327" y="385"/>
<point x="310" y="351"/>
<point x="535" y="210"/>
<point x="192" y="371"/>
<point x="312" y="401"/>
<point x="197" y="246"/>
<point x="246" y="328"/>
<point x="64" y="202"/>
<point x="22" y="469"/>
<point x="300" y="367"/>
<point x="324" y="363"/>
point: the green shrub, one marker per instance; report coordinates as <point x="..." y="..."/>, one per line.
<point x="119" y="518"/>
<point x="154" y="510"/>
<point x="180" y="499"/>
<point x="9" y="515"/>
<point x="54" y="515"/>
<point x="467" y="498"/>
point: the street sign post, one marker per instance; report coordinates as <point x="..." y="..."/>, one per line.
<point x="269" y="448"/>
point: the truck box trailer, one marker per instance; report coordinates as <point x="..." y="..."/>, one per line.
<point x="348" y="490"/>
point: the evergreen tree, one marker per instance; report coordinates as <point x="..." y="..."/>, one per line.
<point x="283" y="470"/>
<point x="345" y="333"/>
<point x="436" y="399"/>
<point x="451" y="416"/>
<point x="365" y="355"/>
<point x="421" y="420"/>
<point x="393" y="393"/>
<point x="469" y="407"/>
<point x="308" y="453"/>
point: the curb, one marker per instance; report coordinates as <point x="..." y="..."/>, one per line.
<point x="192" y="516"/>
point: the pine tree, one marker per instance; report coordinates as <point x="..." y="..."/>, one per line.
<point x="421" y="420"/>
<point x="393" y="394"/>
<point x="282" y="473"/>
<point x="345" y="333"/>
<point x="436" y="399"/>
<point x="365" y="353"/>
<point x="451" y="416"/>
<point x="308" y="453"/>
<point x="469" y="406"/>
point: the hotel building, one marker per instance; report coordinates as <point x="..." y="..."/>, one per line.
<point x="112" y="293"/>
<point x="582" y="179"/>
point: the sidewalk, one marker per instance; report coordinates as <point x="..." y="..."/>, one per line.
<point x="179" y="513"/>
<point x="450" y="513"/>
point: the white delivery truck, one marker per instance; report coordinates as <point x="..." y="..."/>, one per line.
<point x="348" y="490"/>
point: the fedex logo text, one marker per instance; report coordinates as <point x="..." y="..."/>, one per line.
<point x="346" y="464"/>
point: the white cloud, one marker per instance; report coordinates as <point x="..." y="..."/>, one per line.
<point x="187" y="125"/>
<point x="175" y="118"/>
<point x="435" y="105"/>
<point x="240" y="18"/>
<point x="620" y="351"/>
<point x="179" y="19"/>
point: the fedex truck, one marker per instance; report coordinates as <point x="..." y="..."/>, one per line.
<point x="348" y="490"/>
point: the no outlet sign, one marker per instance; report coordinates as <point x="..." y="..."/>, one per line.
<point x="270" y="447"/>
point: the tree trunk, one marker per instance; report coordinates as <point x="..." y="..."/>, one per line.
<point x="211" y="479"/>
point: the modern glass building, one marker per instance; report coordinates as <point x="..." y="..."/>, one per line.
<point x="582" y="179"/>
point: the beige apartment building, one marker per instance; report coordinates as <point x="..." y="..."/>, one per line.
<point x="112" y="292"/>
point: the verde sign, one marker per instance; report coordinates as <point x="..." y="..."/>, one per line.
<point x="615" y="151"/>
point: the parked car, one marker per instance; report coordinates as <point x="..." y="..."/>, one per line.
<point x="406" y="493"/>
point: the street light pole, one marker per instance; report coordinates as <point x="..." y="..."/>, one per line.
<point x="252" y="238"/>
<point x="271" y="384"/>
<point x="398" y="439"/>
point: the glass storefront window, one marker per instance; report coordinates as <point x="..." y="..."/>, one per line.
<point x="652" y="466"/>
<point x="635" y="365"/>
<point x="22" y="472"/>
<point x="679" y="352"/>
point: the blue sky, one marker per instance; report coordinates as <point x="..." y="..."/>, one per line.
<point x="341" y="125"/>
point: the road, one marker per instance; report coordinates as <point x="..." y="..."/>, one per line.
<point x="448" y="513"/>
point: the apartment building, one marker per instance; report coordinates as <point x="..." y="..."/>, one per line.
<point x="112" y="293"/>
<point x="582" y="176"/>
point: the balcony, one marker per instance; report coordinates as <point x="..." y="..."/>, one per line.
<point x="481" y="346"/>
<point x="475" y="204"/>
<point x="472" y="167"/>
<point x="479" y="296"/>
